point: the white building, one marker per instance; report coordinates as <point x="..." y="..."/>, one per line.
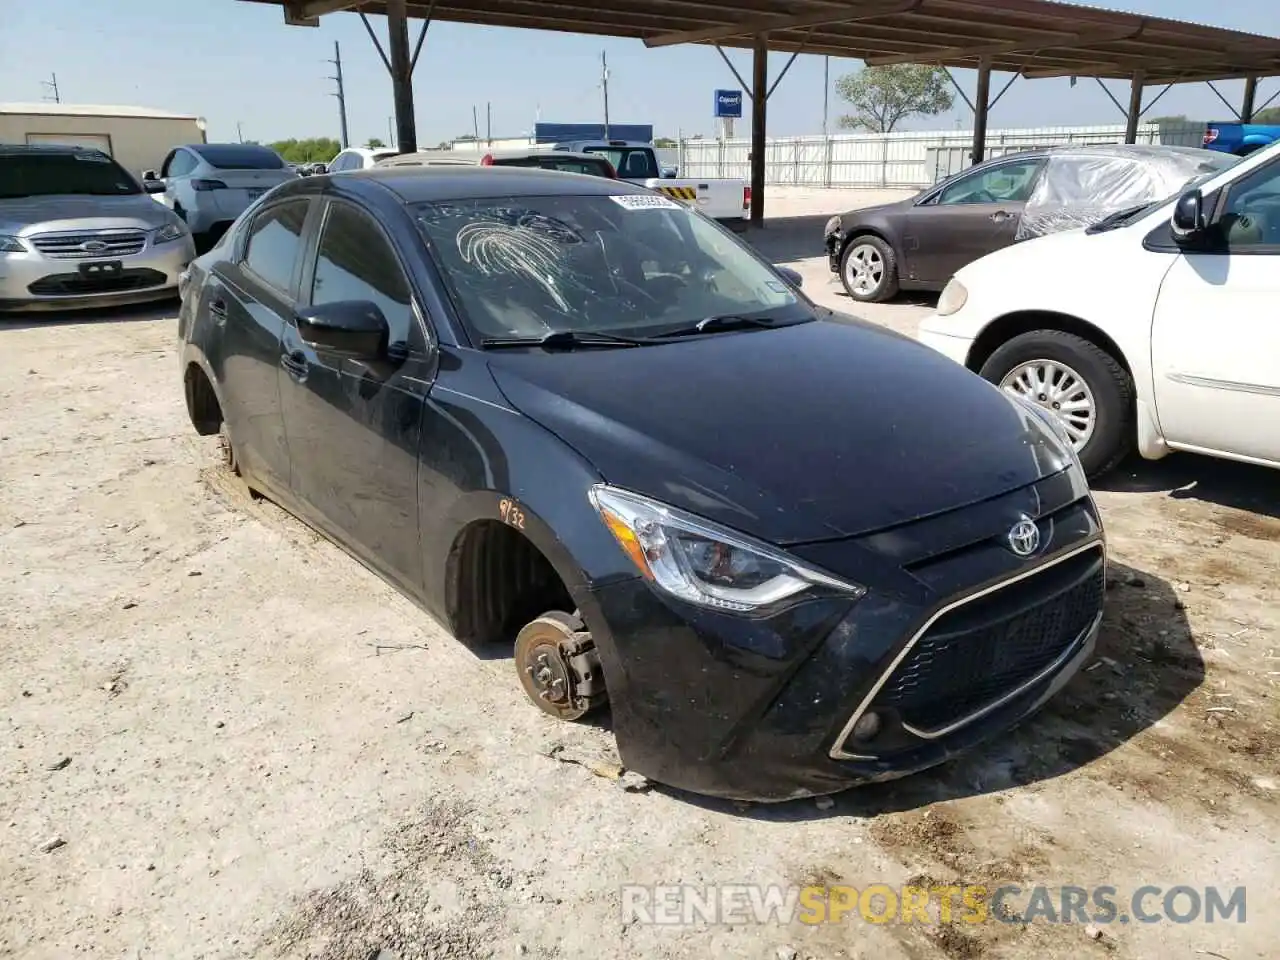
<point x="138" y="138"/>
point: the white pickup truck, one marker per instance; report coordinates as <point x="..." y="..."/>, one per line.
<point x="727" y="200"/>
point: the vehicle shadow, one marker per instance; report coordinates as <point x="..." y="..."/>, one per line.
<point x="136" y="313"/>
<point x="783" y="239"/>
<point x="1146" y="664"/>
<point x="1188" y="476"/>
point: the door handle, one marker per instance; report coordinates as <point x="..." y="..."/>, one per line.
<point x="295" y="364"/>
<point x="1000" y="216"/>
<point x="218" y="310"/>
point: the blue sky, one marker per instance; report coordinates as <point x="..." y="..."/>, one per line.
<point x="233" y="61"/>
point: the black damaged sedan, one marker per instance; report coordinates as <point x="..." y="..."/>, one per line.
<point x="577" y="420"/>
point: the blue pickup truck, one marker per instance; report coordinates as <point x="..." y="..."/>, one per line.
<point x="1240" y="138"/>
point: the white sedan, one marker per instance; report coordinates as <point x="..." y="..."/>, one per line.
<point x="1158" y="328"/>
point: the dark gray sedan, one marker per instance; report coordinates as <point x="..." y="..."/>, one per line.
<point x="919" y="243"/>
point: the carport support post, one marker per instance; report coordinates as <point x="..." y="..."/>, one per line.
<point x="1250" y="98"/>
<point x="1136" y="89"/>
<point x="401" y="75"/>
<point x="981" y="107"/>
<point x="759" y="101"/>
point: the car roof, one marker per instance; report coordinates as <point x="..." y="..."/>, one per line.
<point x="468" y="182"/>
<point x="473" y="157"/>
<point x="26" y="149"/>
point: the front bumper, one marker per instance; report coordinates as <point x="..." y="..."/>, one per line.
<point x="949" y="345"/>
<point x="31" y="281"/>
<point x="956" y="641"/>
<point x="835" y="246"/>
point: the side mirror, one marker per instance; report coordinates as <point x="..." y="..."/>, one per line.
<point x="351" y="328"/>
<point x="152" y="185"/>
<point x="1189" y="219"/>
<point x="791" y="276"/>
<point x="150" y="175"/>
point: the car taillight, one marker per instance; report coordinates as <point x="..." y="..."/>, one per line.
<point x="203" y="185"/>
<point x="746" y="198"/>
<point x="486" y="160"/>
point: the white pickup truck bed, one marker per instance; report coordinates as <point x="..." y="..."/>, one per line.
<point x="638" y="163"/>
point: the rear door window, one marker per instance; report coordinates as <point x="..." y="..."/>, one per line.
<point x="275" y="241"/>
<point x="632" y="163"/>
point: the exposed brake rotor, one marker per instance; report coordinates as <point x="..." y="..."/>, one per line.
<point x="558" y="666"/>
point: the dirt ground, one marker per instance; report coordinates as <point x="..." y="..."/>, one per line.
<point x="222" y="738"/>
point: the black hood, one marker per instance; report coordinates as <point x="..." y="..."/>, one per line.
<point x="809" y="432"/>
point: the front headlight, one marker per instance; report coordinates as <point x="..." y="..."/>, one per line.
<point x="953" y="298"/>
<point x="12" y="245"/>
<point x="702" y="562"/>
<point x="170" y="231"/>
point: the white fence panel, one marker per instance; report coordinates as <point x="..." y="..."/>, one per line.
<point x="914" y="159"/>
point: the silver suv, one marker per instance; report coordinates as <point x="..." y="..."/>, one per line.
<point x="76" y="230"/>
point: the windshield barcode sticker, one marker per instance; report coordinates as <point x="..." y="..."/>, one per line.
<point x="644" y="201"/>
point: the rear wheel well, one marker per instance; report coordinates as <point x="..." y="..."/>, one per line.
<point x="202" y="402"/>
<point x="1015" y="324"/>
<point x="496" y="582"/>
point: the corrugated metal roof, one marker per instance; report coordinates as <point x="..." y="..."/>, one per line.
<point x="48" y="109"/>
<point x="1034" y="37"/>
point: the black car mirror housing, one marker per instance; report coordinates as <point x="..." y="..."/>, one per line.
<point x="153" y="186"/>
<point x="1190" y="221"/>
<point x="356" y="329"/>
<point x="792" y="277"/>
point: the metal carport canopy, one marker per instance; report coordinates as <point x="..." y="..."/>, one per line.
<point x="1031" y="38"/>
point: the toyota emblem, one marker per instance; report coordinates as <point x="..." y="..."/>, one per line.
<point x="93" y="246"/>
<point x="1024" y="537"/>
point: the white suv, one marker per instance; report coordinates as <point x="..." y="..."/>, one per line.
<point x="359" y="158"/>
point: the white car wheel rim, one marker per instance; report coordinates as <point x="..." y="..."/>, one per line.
<point x="1061" y="391"/>
<point x="864" y="269"/>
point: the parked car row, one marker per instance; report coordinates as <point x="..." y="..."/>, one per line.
<point x="1154" y="328"/>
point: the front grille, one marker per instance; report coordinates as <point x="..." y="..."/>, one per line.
<point x="983" y="650"/>
<point x="71" y="246"/>
<point x="75" y="284"/>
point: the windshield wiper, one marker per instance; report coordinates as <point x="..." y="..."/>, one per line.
<point x="565" y="340"/>
<point x="1118" y="219"/>
<point x="727" y="321"/>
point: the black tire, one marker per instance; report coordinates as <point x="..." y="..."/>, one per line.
<point x="887" y="288"/>
<point x="1114" y="431"/>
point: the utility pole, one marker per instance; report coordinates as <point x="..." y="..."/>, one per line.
<point x="475" y="124"/>
<point x="53" y="88"/>
<point x="342" y="92"/>
<point x="488" y="122"/>
<point x="604" y="81"/>
<point x="239" y="132"/>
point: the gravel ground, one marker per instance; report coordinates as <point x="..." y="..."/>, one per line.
<point x="222" y="738"/>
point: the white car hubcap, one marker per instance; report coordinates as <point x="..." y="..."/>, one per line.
<point x="864" y="269"/>
<point x="1061" y="391"/>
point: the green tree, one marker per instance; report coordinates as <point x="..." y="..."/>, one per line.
<point x="1269" y="115"/>
<point x="373" y="143"/>
<point x="311" y="150"/>
<point x="1177" y="118"/>
<point x="882" y="97"/>
<point x="664" y="142"/>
